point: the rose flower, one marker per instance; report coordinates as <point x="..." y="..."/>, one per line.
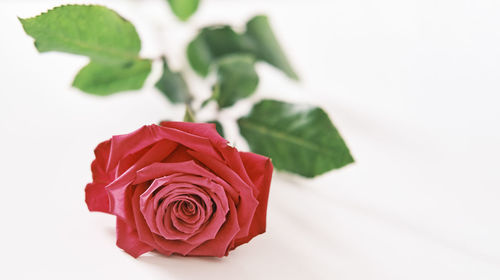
<point x="178" y="188"/>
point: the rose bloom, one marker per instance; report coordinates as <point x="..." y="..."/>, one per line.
<point x="178" y="188"/>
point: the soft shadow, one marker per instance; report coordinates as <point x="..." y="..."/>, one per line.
<point x="110" y="231"/>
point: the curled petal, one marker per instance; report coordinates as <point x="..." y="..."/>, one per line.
<point x="247" y="203"/>
<point x="117" y="190"/>
<point x="99" y="171"/>
<point x="163" y="214"/>
<point x="95" y="194"/>
<point x="167" y="189"/>
<point x="144" y="233"/>
<point x="188" y="219"/>
<point x="159" y="169"/>
<point x="221" y="244"/>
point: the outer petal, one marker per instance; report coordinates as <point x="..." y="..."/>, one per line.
<point x="96" y="197"/>
<point x="123" y="145"/>
<point x="128" y="240"/>
<point x="95" y="194"/>
<point x="260" y="170"/>
<point x="194" y="142"/>
<point x="206" y="130"/>
<point x="125" y="163"/>
<point x="230" y="154"/>
<point x="126" y="144"/>
<point x="233" y="160"/>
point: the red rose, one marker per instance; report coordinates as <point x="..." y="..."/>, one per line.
<point x="179" y="188"/>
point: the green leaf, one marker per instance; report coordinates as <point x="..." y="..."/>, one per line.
<point x="105" y="79"/>
<point x="266" y="45"/>
<point x="236" y="79"/>
<point x="90" y="30"/>
<point x="217" y="41"/>
<point x="173" y="85"/>
<point x="184" y="9"/>
<point x="189" y="115"/>
<point x="218" y="127"/>
<point x="298" y="138"/>
<point x="211" y="44"/>
<point x="208" y="100"/>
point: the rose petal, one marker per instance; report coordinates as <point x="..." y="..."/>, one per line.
<point x="179" y="155"/>
<point x="247" y="204"/>
<point x="95" y="194"/>
<point x="142" y="228"/>
<point x="98" y="166"/>
<point x="96" y="197"/>
<point x="160" y="169"/>
<point x="128" y="240"/>
<point x="125" y="163"/>
<point x="188" y="222"/>
<point x="233" y="160"/>
<point x="149" y="202"/>
<point x="123" y="145"/>
<point x="117" y="189"/>
<point x="208" y="184"/>
<point x="260" y="170"/>
<point x="157" y="170"/>
<point x="220" y="245"/>
<point x="206" y="130"/>
<point x="194" y="142"/>
<point x="162" y="217"/>
<point x="208" y="230"/>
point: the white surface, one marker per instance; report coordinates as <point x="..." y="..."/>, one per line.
<point x="412" y="85"/>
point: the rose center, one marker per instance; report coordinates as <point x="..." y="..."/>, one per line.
<point x="188" y="208"/>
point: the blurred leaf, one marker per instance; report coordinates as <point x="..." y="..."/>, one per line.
<point x="298" y="138"/>
<point x="266" y="45"/>
<point x="211" y="44"/>
<point x="218" y="127"/>
<point x="236" y="79"/>
<point x="208" y="100"/>
<point x="184" y="9"/>
<point x="259" y="40"/>
<point x="105" y="79"/>
<point x="173" y="85"/>
<point x="189" y="115"/>
<point x="90" y="30"/>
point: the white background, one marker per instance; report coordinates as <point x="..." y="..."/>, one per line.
<point x="412" y="85"/>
